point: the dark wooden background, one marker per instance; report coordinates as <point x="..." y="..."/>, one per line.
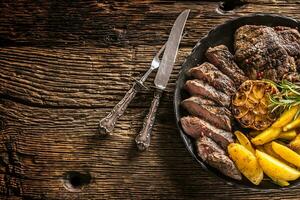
<point x="65" y="64"/>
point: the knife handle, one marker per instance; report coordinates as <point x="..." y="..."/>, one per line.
<point x="143" y="138"/>
<point x="107" y="124"/>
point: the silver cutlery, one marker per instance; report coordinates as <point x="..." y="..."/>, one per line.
<point x="107" y="124"/>
<point x="162" y="77"/>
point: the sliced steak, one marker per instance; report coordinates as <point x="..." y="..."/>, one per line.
<point x="212" y="75"/>
<point x="260" y="48"/>
<point x="196" y="127"/>
<point x="201" y="101"/>
<point x="213" y="155"/>
<point x="220" y="117"/>
<point x="198" y="87"/>
<point x="221" y="57"/>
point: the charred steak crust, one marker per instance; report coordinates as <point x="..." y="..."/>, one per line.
<point x="267" y="52"/>
<point x="290" y="40"/>
<point x="220" y="117"/>
<point x="196" y="127"/>
<point x="212" y="154"/>
<point x="291" y="43"/>
<point x="198" y="87"/>
<point x="221" y="57"/>
<point x="212" y="75"/>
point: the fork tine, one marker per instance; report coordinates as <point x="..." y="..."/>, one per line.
<point x="160" y="51"/>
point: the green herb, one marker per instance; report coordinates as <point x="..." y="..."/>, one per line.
<point x="288" y="97"/>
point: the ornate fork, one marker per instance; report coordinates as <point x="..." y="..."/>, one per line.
<point x="107" y="124"/>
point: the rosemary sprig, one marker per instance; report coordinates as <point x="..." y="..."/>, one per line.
<point x="288" y="96"/>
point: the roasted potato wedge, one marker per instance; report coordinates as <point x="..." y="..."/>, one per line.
<point x="288" y="135"/>
<point x="266" y="136"/>
<point x="243" y="140"/>
<point x="286" y="117"/>
<point x="286" y="153"/>
<point x="269" y="150"/>
<point x="279" y="182"/>
<point x="295" y="144"/>
<point x="292" y="125"/>
<point x="246" y="162"/>
<point x="275" y="168"/>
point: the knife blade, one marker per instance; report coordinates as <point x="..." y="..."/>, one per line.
<point x="169" y="56"/>
<point x="162" y="77"/>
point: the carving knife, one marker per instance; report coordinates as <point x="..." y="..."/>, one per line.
<point x="162" y="77"/>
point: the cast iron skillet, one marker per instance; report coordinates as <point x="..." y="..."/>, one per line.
<point x="223" y="34"/>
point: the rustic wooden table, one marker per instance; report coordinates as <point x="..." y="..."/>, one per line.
<point x="65" y="64"/>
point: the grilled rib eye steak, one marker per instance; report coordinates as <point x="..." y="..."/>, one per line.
<point x="221" y="57"/>
<point x="290" y="39"/>
<point x="196" y="127"/>
<point x="266" y="52"/>
<point x="209" y="73"/>
<point x="220" y="117"/>
<point x="199" y="87"/>
<point x="212" y="154"/>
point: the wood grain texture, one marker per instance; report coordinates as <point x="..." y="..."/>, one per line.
<point x="65" y="64"/>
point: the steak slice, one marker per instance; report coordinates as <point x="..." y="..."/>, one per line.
<point x="261" y="48"/>
<point x="221" y="57"/>
<point x="198" y="87"/>
<point x="213" y="155"/>
<point x="220" y="117"/>
<point x="212" y="75"/>
<point x="196" y="127"/>
<point x="203" y="101"/>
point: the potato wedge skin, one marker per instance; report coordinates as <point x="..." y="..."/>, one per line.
<point x="286" y="153"/>
<point x="243" y="140"/>
<point x="246" y="162"/>
<point x="292" y="125"/>
<point x="269" y="150"/>
<point x="279" y="182"/>
<point x="275" y="168"/>
<point x="266" y="136"/>
<point x="288" y="135"/>
<point x="286" y="117"/>
<point x="295" y="144"/>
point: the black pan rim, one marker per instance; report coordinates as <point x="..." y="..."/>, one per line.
<point x="176" y="105"/>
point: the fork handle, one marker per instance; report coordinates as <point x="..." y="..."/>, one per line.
<point x="107" y="124"/>
<point x="143" y="138"/>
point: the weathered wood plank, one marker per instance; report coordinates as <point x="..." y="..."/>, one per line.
<point x="116" y="23"/>
<point x="47" y="143"/>
<point x="89" y="75"/>
<point x="64" y="65"/>
<point x="73" y="77"/>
